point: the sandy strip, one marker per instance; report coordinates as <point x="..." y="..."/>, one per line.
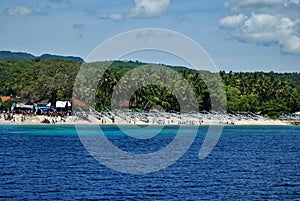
<point x="73" y="120"/>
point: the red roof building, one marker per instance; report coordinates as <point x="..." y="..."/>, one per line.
<point x="5" y="98"/>
<point x="79" y="103"/>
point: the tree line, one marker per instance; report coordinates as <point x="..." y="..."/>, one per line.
<point x="31" y="81"/>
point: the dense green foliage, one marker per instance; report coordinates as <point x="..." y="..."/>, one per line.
<point x="35" y="80"/>
<point x="271" y="93"/>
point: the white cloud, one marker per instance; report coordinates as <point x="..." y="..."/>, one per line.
<point x="232" y="21"/>
<point x="272" y="23"/>
<point x="260" y="23"/>
<point x="143" y="9"/>
<point x="291" y="45"/>
<point x="149" y="8"/>
<point x="115" y="16"/>
<point x="236" y="5"/>
<point x="18" y="11"/>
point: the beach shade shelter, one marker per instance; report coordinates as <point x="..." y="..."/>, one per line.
<point x="24" y="106"/>
<point x="28" y="107"/>
<point x="62" y="104"/>
<point x="44" y="108"/>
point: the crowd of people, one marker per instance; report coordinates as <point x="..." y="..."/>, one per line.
<point x="18" y="115"/>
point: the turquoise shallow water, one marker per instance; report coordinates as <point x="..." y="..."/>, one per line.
<point x="248" y="162"/>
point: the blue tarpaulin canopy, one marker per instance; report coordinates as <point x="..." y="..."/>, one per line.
<point x="43" y="107"/>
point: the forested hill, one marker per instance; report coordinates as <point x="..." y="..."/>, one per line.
<point x="15" y="55"/>
<point x="35" y="80"/>
<point x="23" y="55"/>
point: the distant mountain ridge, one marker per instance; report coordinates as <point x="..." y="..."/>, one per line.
<point x="15" y="55"/>
<point x="23" y="55"/>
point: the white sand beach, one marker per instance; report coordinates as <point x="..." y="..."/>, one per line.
<point x="132" y="118"/>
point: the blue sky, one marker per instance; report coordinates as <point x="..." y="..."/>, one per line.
<point x="248" y="35"/>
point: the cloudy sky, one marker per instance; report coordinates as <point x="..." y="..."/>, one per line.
<point x="239" y="35"/>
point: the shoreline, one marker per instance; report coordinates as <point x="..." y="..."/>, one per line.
<point x="160" y="121"/>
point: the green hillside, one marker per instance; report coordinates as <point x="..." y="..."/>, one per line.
<point x="15" y="55"/>
<point x="23" y="55"/>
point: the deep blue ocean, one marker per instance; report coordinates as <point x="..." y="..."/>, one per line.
<point x="248" y="163"/>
